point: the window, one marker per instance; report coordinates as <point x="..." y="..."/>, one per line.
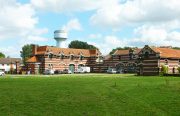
<point x="50" y="55"/>
<point x="131" y="55"/>
<point x="62" y="56"/>
<point x="166" y="61"/>
<point x="51" y="66"/>
<point x="146" y="54"/>
<point x="71" y="57"/>
<point x="119" y="57"/>
<point x="81" y="57"/>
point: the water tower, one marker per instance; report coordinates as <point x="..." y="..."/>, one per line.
<point x="60" y="36"/>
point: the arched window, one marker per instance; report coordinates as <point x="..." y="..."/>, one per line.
<point x="146" y="54"/>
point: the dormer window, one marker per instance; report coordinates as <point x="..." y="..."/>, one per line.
<point x="61" y="55"/>
<point x="81" y="57"/>
<point x="99" y="59"/>
<point x="71" y="57"/>
<point x="50" y="55"/>
<point x="131" y="54"/>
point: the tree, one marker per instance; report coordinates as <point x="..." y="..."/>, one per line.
<point x="26" y="52"/>
<point x="177" y="48"/>
<point x="2" y="55"/>
<point x="81" y="45"/>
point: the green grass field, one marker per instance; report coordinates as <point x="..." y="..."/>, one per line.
<point x="89" y="95"/>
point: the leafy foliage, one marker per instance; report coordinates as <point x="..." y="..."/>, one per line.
<point x="177" y="48"/>
<point x="164" y="69"/>
<point x="2" y="55"/>
<point x="26" y="52"/>
<point x="81" y="45"/>
<point x="178" y="69"/>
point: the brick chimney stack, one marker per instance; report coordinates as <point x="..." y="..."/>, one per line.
<point x="34" y="49"/>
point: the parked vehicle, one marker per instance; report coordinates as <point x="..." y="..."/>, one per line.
<point x="2" y="73"/>
<point x="57" y="72"/>
<point x="120" y="71"/>
<point x="83" y="70"/>
<point x="66" y="71"/>
<point x="111" y="70"/>
<point x="49" y="72"/>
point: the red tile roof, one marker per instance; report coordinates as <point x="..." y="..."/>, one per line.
<point x="32" y="59"/>
<point x="167" y="52"/>
<point x="126" y="52"/>
<point x="66" y="51"/>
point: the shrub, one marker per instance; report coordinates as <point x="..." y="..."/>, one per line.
<point x="164" y="69"/>
<point x="178" y="69"/>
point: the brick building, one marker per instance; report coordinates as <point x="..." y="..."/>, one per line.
<point x="151" y="60"/>
<point x="47" y="57"/>
<point x="124" y="61"/>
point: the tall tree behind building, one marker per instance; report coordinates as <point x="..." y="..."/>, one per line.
<point x="81" y="45"/>
<point x="2" y="55"/>
<point x="26" y="52"/>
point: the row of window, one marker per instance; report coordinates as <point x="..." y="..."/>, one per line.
<point x="63" y="56"/>
<point x="4" y="64"/>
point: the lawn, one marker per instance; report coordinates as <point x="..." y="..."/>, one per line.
<point x="89" y="95"/>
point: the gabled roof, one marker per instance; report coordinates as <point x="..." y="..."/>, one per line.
<point x="32" y="59"/>
<point x="10" y="60"/>
<point x="167" y="52"/>
<point x="42" y="50"/>
<point x="126" y="52"/>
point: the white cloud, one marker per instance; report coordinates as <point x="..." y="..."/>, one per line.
<point x="18" y="22"/>
<point x="16" y="19"/>
<point x="115" y="15"/>
<point x="64" y="6"/>
<point x="11" y="51"/>
<point x="73" y="24"/>
<point x="95" y="36"/>
<point x="108" y="43"/>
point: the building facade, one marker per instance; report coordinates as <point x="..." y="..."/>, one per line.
<point x="151" y="59"/>
<point x="145" y="61"/>
<point x="10" y="65"/>
<point x="47" y="57"/>
<point x="124" y="61"/>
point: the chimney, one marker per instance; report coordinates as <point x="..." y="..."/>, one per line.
<point x="34" y="49"/>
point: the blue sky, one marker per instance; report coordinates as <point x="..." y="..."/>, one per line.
<point x="105" y="24"/>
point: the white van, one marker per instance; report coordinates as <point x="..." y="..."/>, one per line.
<point x="49" y="72"/>
<point x="111" y="70"/>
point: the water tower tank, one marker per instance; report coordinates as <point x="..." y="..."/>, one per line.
<point x="60" y="36"/>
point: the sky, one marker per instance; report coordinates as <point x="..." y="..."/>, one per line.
<point x="106" y="24"/>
